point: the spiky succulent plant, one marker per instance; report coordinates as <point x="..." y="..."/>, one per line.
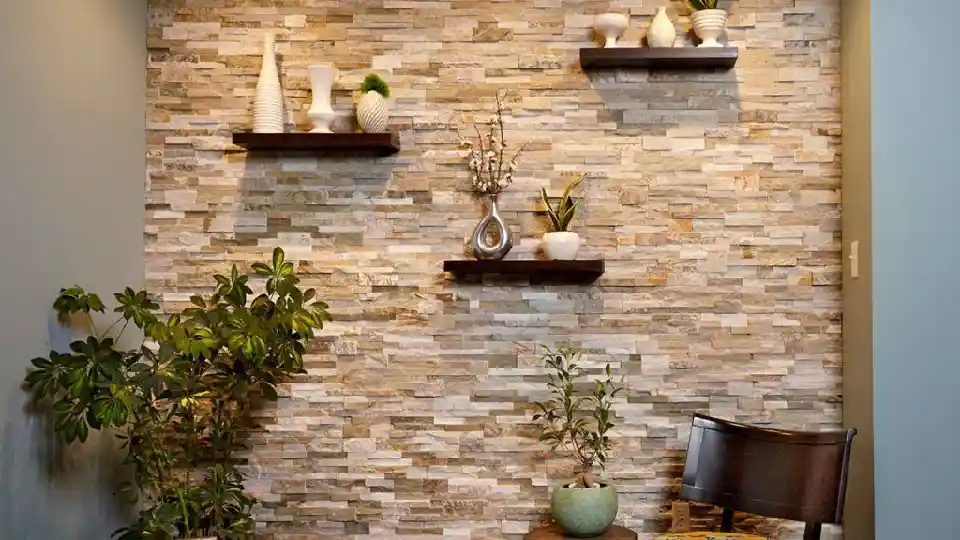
<point x="374" y="83"/>
<point x="701" y="5"/>
<point x="561" y="215"/>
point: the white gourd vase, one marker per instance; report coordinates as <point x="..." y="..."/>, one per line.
<point x="321" y="113"/>
<point x="709" y="25"/>
<point x="372" y="112"/>
<point x="661" y="33"/>
<point x="268" y="101"/>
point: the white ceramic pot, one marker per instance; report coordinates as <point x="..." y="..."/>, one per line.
<point x="661" y="33"/>
<point x="372" y="112"/>
<point x="709" y="25"/>
<point x="321" y="113"/>
<point x="561" y="246"/>
<point x="611" y="26"/>
<point x="268" y="99"/>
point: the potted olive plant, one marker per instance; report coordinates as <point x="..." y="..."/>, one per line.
<point x="708" y="22"/>
<point x="372" y="107"/>
<point x="180" y="401"/>
<point x="579" y="422"/>
<point x="561" y="244"/>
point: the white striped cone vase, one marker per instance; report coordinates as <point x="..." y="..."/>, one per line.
<point x="268" y="101"/>
<point x="372" y="112"/>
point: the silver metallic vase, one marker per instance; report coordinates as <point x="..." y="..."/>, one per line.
<point x="491" y="239"/>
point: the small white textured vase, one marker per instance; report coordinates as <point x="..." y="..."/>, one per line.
<point x="268" y="101"/>
<point x="372" y="112"/>
<point x="661" y="33"/>
<point x="561" y="246"/>
<point x="321" y="113"/>
<point x="709" y="25"/>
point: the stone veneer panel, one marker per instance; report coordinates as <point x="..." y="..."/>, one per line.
<point x="714" y="198"/>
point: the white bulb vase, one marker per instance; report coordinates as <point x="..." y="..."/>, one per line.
<point x="321" y="113"/>
<point x="661" y="33"/>
<point x="268" y="99"/>
<point x="561" y="246"/>
<point x="611" y="26"/>
<point x="709" y="25"/>
<point x="372" y="112"/>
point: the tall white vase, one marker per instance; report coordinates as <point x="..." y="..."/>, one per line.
<point x="268" y="102"/>
<point x="661" y="33"/>
<point x="321" y="113"/>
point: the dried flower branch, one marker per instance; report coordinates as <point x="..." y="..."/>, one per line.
<point x="490" y="172"/>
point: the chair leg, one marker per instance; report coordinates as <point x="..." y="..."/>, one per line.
<point x="811" y="531"/>
<point x="726" y="522"/>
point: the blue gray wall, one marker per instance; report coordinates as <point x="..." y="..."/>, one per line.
<point x="916" y="266"/>
<point x="71" y="211"/>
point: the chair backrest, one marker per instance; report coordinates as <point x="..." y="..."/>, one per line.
<point x="794" y="475"/>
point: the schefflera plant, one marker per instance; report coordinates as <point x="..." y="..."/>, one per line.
<point x="180" y="401"/>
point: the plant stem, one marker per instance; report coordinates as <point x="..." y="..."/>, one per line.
<point x="92" y="325"/>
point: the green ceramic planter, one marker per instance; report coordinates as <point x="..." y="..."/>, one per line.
<point x="584" y="513"/>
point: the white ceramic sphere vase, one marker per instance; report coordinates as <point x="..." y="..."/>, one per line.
<point x="372" y="112"/>
<point x="611" y="26"/>
<point x="709" y="25"/>
<point x="321" y="112"/>
<point x="662" y="32"/>
<point x="268" y="99"/>
<point x="561" y="246"/>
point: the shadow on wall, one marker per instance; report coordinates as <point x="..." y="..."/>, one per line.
<point x="642" y="102"/>
<point x="47" y="489"/>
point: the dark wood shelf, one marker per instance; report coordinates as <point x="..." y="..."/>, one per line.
<point x="667" y="58"/>
<point x="540" y="271"/>
<point x="382" y="144"/>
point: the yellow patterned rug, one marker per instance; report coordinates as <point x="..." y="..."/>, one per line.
<point x="709" y="536"/>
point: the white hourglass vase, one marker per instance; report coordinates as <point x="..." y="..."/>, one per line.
<point x="268" y="100"/>
<point x="611" y="26"/>
<point x="321" y="113"/>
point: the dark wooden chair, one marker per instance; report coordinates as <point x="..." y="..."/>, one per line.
<point x="793" y="475"/>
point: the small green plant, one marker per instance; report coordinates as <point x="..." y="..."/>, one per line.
<point x="180" y="401"/>
<point x="374" y="83"/>
<point x="561" y="215"/>
<point x="701" y="5"/>
<point x="576" y="421"/>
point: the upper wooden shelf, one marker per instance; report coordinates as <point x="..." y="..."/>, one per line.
<point x="677" y="58"/>
<point x="382" y="144"/>
<point x="540" y="271"/>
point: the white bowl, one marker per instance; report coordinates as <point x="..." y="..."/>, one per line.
<point x="611" y="26"/>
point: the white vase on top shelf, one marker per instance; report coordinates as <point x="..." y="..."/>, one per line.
<point x="268" y="100"/>
<point x="662" y="32"/>
<point x="321" y="112"/>
<point x="611" y="26"/>
<point x="709" y="25"/>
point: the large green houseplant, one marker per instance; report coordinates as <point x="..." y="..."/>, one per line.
<point x="579" y="421"/>
<point x="180" y="400"/>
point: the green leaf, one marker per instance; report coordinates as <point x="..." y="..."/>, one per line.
<point x="278" y="256"/>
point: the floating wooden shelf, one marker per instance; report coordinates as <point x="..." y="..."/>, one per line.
<point x="554" y="271"/>
<point x="382" y="144"/>
<point x="677" y="58"/>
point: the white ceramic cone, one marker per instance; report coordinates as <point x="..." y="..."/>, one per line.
<point x="268" y="101"/>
